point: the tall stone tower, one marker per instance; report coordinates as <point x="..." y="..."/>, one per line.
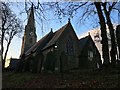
<point x="30" y="37"/>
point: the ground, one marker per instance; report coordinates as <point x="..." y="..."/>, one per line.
<point x="74" y="79"/>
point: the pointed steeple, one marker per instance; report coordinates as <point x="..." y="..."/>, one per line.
<point x="31" y="20"/>
<point x="30" y="27"/>
<point x="30" y="37"/>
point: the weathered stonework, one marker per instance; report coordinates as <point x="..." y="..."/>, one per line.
<point x="30" y="37"/>
<point x="58" y="51"/>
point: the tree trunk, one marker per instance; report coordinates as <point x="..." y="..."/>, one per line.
<point x="2" y="49"/>
<point x="112" y="35"/>
<point x="105" y="49"/>
<point x="118" y="39"/>
<point x="10" y="26"/>
<point x="6" y="52"/>
<point x="2" y="41"/>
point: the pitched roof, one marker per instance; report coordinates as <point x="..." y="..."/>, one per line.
<point x="56" y="36"/>
<point x="41" y="43"/>
<point x="48" y="40"/>
<point x="83" y="42"/>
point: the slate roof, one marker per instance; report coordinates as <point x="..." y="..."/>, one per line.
<point x="47" y="41"/>
<point x="56" y="36"/>
<point x="83" y="41"/>
<point x="41" y="43"/>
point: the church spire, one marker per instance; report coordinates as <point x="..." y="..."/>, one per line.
<point x="30" y="37"/>
<point x="31" y="20"/>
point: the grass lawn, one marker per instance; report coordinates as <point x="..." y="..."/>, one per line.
<point x="74" y="79"/>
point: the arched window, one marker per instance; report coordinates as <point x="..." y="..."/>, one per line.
<point x="69" y="46"/>
<point x="90" y="51"/>
<point x="90" y="55"/>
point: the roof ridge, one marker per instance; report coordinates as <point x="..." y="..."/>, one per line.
<point x="36" y="44"/>
<point x="84" y="37"/>
<point x="64" y="26"/>
<point x="56" y="36"/>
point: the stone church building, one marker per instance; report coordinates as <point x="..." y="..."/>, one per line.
<point x="57" y="51"/>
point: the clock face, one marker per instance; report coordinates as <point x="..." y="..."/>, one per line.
<point x="31" y="33"/>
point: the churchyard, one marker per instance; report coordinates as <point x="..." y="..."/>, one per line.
<point x="73" y="79"/>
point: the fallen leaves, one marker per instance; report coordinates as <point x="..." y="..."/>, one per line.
<point x="66" y="80"/>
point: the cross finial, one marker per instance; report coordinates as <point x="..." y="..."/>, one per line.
<point x="68" y="19"/>
<point x="51" y="29"/>
<point x="88" y="33"/>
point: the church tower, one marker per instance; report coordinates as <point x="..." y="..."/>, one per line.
<point x="30" y="37"/>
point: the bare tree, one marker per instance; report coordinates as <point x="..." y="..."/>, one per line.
<point x="108" y="7"/>
<point x="104" y="10"/>
<point x="11" y="26"/>
<point x="86" y="10"/>
<point x="69" y="9"/>
<point x="103" y="33"/>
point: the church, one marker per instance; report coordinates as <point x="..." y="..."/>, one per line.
<point x="58" y="51"/>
